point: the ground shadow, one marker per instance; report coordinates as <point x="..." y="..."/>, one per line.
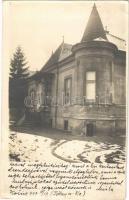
<point x="57" y="135"/>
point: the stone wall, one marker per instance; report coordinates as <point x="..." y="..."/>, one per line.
<point x="110" y="90"/>
<point x="119" y="79"/>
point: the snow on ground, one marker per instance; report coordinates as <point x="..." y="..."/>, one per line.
<point x="28" y="147"/>
<point x="91" y="152"/>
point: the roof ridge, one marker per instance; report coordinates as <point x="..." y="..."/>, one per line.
<point x="53" y="58"/>
<point x="116" y="37"/>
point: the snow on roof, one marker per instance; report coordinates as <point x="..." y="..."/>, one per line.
<point x="99" y="39"/>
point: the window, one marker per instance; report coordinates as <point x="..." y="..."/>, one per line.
<point x="32" y="94"/>
<point x="32" y="97"/>
<point x="91" y="86"/>
<point x="39" y="95"/>
<point x="67" y="89"/>
<point x="39" y="98"/>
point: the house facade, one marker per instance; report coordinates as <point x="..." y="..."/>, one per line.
<point x="82" y="87"/>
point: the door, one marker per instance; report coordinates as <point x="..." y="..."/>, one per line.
<point x="50" y="123"/>
<point x="90" y="129"/>
<point x="65" y="124"/>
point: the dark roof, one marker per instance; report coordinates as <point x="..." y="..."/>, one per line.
<point x="53" y="59"/>
<point x="31" y="73"/>
<point x="94" y="31"/>
<point x="94" y="28"/>
<point x="63" y="51"/>
<point x="40" y="74"/>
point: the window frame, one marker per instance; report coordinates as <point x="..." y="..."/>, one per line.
<point x="65" y="79"/>
<point x="88" y="82"/>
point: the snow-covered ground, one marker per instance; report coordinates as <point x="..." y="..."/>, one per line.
<point x="28" y="147"/>
<point x="91" y="152"/>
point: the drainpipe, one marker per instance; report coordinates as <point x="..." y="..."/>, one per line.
<point x="57" y="82"/>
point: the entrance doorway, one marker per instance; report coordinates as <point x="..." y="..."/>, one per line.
<point x="50" y="123"/>
<point x="90" y="129"/>
<point x="66" y="125"/>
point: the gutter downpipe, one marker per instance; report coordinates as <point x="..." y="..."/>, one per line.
<point x="57" y="82"/>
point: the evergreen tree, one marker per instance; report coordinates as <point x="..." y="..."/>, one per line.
<point x="18" y="79"/>
<point x="18" y="70"/>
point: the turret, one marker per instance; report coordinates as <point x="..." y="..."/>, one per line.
<point x="94" y="57"/>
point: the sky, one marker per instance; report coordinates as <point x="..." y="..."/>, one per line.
<point x="39" y="26"/>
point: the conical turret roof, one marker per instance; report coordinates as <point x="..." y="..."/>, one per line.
<point x="94" y="28"/>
